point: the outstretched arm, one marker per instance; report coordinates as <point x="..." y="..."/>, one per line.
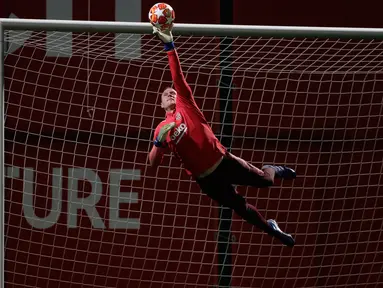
<point x="181" y="86"/>
<point x="184" y="92"/>
<point x="155" y="156"/>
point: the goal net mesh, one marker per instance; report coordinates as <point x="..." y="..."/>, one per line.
<point x="82" y="207"/>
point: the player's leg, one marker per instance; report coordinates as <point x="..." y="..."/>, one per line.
<point x="282" y="172"/>
<point x="244" y="173"/>
<point x="226" y="195"/>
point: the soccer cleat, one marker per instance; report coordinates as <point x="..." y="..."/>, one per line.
<point x="282" y="171"/>
<point x="285" y="238"/>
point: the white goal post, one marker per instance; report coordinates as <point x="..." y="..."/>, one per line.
<point x="310" y="97"/>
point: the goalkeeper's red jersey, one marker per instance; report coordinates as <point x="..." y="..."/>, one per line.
<point x="192" y="140"/>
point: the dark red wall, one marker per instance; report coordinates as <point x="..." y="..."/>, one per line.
<point x="303" y="13"/>
<point x="336" y="150"/>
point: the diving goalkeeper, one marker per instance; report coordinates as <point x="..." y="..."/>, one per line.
<point x="187" y="134"/>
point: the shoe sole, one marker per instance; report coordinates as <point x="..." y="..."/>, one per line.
<point x="285" y="238"/>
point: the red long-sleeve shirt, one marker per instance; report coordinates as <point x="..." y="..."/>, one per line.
<point x="192" y="140"/>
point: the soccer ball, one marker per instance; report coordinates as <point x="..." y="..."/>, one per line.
<point x="162" y="16"/>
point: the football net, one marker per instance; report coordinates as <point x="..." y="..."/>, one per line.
<point x="82" y="207"/>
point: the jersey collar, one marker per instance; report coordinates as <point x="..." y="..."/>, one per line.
<point x="170" y="113"/>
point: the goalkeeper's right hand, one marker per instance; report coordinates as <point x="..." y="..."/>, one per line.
<point x="166" y="37"/>
<point x="164" y="131"/>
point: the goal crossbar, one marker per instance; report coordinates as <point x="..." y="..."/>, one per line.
<point x="195" y="29"/>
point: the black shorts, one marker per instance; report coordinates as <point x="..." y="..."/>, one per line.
<point x="231" y="171"/>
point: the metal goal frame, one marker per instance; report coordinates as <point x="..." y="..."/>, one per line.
<point x="146" y="28"/>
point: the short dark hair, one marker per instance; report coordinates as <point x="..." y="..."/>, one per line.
<point x="169" y="87"/>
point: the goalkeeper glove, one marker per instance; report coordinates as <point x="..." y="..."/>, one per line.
<point x="166" y="37"/>
<point x="164" y="131"/>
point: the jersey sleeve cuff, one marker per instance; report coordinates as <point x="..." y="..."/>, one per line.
<point x="169" y="46"/>
<point x="158" y="143"/>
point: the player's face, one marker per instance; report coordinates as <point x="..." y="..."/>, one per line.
<point x="168" y="99"/>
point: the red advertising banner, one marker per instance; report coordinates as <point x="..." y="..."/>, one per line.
<point x="83" y="208"/>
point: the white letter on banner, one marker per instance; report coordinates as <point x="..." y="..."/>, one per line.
<point x="28" y="195"/>
<point x="59" y="44"/>
<point x="127" y="46"/>
<point x="17" y="38"/>
<point x="88" y="203"/>
<point x="117" y="197"/>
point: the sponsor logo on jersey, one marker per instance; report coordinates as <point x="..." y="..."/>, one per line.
<point x="179" y="132"/>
